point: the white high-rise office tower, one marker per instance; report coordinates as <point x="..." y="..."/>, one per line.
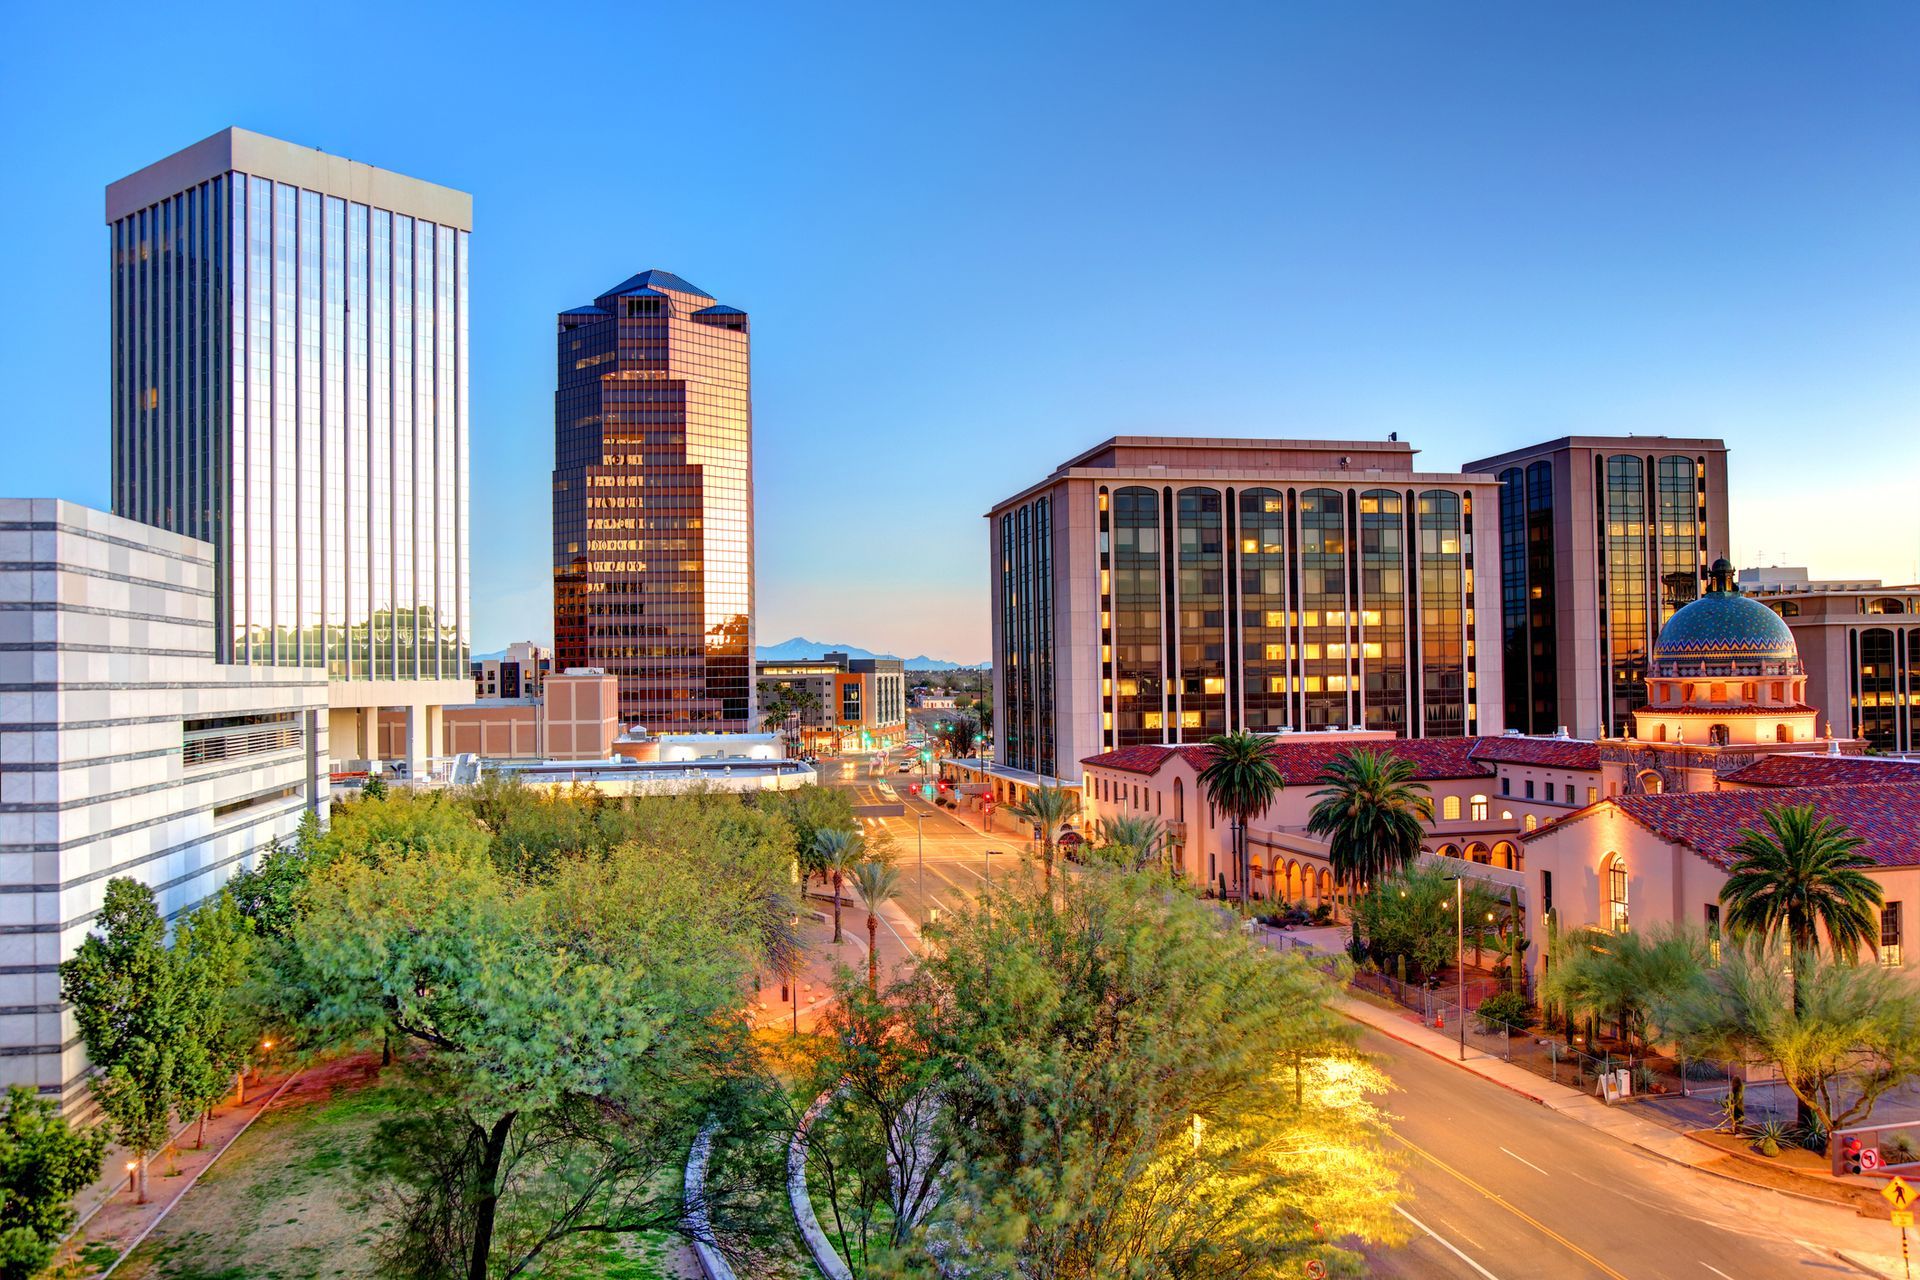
<point x="290" y="385"/>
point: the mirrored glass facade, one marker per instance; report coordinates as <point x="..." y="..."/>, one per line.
<point x="653" y="503"/>
<point x="290" y="384"/>
<point x="1602" y="539"/>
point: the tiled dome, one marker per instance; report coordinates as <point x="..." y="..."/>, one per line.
<point x="1723" y="626"/>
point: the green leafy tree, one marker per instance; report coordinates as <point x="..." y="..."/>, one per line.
<point x="44" y="1163"/>
<point x="808" y="811"/>
<point x="1624" y="978"/>
<point x="879" y="884"/>
<point x="404" y="823"/>
<point x="1132" y="1089"/>
<point x="575" y="1036"/>
<point x="1843" y="1035"/>
<point x="1047" y="810"/>
<point x="1372" y="814"/>
<point x="268" y="893"/>
<point x="215" y="949"/>
<point x="1410" y="915"/>
<point x="837" y="853"/>
<point x="1800" y="875"/>
<point x="1241" y="779"/>
<point x="136" y="1015"/>
<point x="877" y="1155"/>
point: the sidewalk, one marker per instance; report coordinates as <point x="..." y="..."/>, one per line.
<point x="109" y="1218"/>
<point x="1618" y="1122"/>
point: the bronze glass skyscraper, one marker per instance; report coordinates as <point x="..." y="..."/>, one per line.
<point x="653" y="503"/>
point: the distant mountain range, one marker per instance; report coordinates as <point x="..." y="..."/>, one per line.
<point x="801" y="647"/>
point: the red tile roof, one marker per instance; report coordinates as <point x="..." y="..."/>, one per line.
<point x="1887" y="817"/>
<point x="1823" y="771"/>
<point x="1135" y="759"/>
<point x="1552" y="753"/>
<point x="1302" y="762"/>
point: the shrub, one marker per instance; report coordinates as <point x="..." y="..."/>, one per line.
<point x="1897" y="1149"/>
<point x="1769" y="1134"/>
<point x="1504" y="1007"/>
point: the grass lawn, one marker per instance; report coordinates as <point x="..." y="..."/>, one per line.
<point x="281" y="1204"/>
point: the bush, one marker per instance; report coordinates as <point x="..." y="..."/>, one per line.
<point x="1505" y="1007"/>
<point x="1323" y="913"/>
<point x="1898" y="1149"/>
<point x="1704" y="1069"/>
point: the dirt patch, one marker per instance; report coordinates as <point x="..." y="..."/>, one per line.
<point x="281" y="1204"/>
<point x="1794" y="1169"/>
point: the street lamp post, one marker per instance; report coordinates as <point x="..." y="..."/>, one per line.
<point x="920" y="838"/>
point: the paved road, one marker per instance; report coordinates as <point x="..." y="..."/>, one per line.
<point x="1501" y="1188"/>
<point x="1498" y="1187"/>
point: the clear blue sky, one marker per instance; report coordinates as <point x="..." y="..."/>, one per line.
<point x="977" y="238"/>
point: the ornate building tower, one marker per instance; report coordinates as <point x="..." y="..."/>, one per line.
<point x="1724" y="686"/>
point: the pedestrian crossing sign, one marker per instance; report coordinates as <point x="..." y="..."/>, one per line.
<point x="1900" y="1196"/>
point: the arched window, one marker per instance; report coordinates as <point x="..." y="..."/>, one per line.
<point x="1477" y="852"/>
<point x="1477" y="808"/>
<point x="1450" y="809"/>
<point x="1616" y="887"/>
<point x="1651" y="783"/>
<point x="1886" y="605"/>
<point x="1179" y="800"/>
<point x="1504" y="855"/>
<point x="1718" y="735"/>
<point x="1783" y="733"/>
<point x="1506" y="815"/>
<point x="1788" y="608"/>
<point x="1532" y="822"/>
<point x="1660" y="732"/>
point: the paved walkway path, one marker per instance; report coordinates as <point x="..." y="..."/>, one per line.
<point x="108" y="1213"/>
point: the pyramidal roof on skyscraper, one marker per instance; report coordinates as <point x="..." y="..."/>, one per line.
<point x="655" y="280"/>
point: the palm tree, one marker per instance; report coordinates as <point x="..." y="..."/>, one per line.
<point x="1135" y="840"/>
<point x="1241" y="780"/>
<point x="879" y="884"/>
<point x="837" y="852"/>
<point x="1372" y="815"/>
<point x="1800" y="873"/>
<point x="1797" y="875"/>
<point x="1047" y="808"/>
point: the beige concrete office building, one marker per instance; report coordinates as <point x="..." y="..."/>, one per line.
<point x="1860" y="642"/>
<point x="289" y="355"/>
<point x="126" y="749"/>
<point x="1165" y="589"/>
<point x="1595" y="541"/>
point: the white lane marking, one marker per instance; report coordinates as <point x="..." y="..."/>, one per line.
<point x="1445" y="1243"/>
<point x="1530" y="1164"/>
<point x="1717" y="1271"/>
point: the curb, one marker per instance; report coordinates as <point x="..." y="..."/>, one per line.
<point x="161" y="1217"/>
<point x="1534" y="1098"/>
<point x="712" y="1262"/>
<point x="825" y="1256"/>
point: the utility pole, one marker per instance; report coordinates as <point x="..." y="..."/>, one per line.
<point x="1460" y="958"/>
<point x="920" y="837"/>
